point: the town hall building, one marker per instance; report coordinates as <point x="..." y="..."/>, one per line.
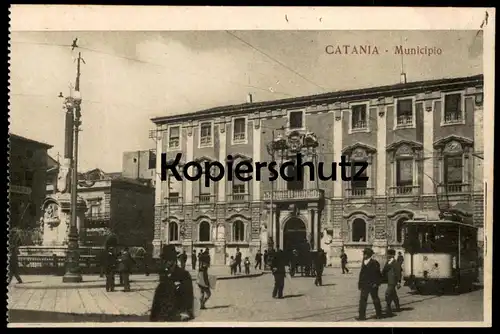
<point x="422" y="141"/>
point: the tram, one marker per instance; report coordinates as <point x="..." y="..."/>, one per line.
<point x="440" y="254"/>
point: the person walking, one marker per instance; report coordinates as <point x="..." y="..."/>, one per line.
<point x="14" y="266"/>
<point x="203" y="284"/>
<point x="247" y="266"/>
<point x="174" y="297"/>
<point x="368" y="284"/>
<point x="343" y="262"/>
<point x="238" y="259"/>
<point x="319" y="266"/>
<point x="183" y="259"/>
<point x="266" y="259"/>
<point x="258" y="260"/>
<point x="200" y="254"/>
<point x="392" y="275"/>
<point x="193" y="259"/>
<point x="110" y="268"/>
<point x="279" y="273"/>
<point x="401" y="260"/>
<point x="125" y="263"/>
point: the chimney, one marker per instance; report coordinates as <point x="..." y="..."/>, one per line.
<point x="403" y="78"/>
<point x="249" y="98"/>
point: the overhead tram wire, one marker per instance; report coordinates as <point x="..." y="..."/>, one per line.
<point x="158" y="65"/>
<point x="275" y="60"/>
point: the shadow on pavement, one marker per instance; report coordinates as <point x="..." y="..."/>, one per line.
<point x="329" y="284"/>
<point x="28" y="316"/>
<point x="218" y="306"/>
<point x="293" y="296"/>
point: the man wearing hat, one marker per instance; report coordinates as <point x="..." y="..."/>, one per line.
<point x="392" y="275"/>
<point x="368" y="284"/>
<point x="174" y="297"/>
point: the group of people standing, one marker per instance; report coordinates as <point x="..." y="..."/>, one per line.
<point x="370" y="279"/>
<point x="118" y="262"/>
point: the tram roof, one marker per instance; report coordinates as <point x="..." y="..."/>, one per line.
<point x="437" y="221"/>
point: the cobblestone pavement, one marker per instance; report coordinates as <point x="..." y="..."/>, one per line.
<point x="242" y="300"/>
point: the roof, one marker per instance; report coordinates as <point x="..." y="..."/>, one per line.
<point x="325" y="98"/>
<point x="31" y="141"/>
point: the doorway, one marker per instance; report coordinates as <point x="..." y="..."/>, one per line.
<point x="294" y="234"/>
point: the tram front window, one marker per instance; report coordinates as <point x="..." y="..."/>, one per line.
<point x="431" y="238"/>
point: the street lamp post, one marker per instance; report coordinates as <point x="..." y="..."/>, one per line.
<point x="73" y="273"/>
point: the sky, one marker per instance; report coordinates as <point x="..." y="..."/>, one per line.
<point x="130" y="77"/>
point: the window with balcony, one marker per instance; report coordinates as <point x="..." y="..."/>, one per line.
<point x="204" y="232"/>
<point x="359" y="117"/>
<point x="404" y="113"/>
<point x="238" y="233"/>
<point x="239" y="130"/>
<point x="173" y="232"/>
<point x="174" y="190"/>
<point x="296" y="120"/>
<point x="359" y="187"/>
<point x="404" y="176"/>
<point x="358" y="233"/>
<point x="206" y="192"/>
<point x="453" y="109"/>
<point x="453" y="173"/>
<point x="174" y="137"/>
<point x="206" y="134"/>
<point x="239" y="191"/>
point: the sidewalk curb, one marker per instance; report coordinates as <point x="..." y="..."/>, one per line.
<point x="82" y="285"/>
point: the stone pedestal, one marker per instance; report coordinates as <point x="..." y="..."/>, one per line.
<point x="335" y="251"/>
<point x="220" y="254"/>
<point x="156" y="249"/>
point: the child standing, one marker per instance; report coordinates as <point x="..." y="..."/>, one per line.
<point x="232" y="265"/>
<point x="247" y="266"/>
<point x="203" y="284"/>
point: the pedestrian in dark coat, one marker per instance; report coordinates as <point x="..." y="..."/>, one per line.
<point x="343" y="262"/>
<point x="279" y="273"/>
<point x="266" y="259"/>
<point x="203" y="284"/>
<point x="392" y="275"/>
<point x="110" y="268"/>
<point x="14" y="265"/>
<point x="258" y="260"/>
<point x="183" y="259"/>
<point x="193" y="260"/>
<point x="369" y="282"/>
<point x="238" y="259"/>
<point x="319" y="265"/>
<point x="125" y="263"/>
<point x="174" y="298"/>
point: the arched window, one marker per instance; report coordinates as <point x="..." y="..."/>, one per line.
<point x="204" y="232"/>
<point x="359" y="230"/>
<point x="399" y="230"/>
<point x="238" y="231"/>
<point x="173" y="231"/>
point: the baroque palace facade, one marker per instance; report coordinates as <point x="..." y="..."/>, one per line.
<point x="423" y="142"/>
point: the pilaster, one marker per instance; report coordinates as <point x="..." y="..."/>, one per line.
<point x="428" y="146"/>
<point x="256" y="147"/>
<point x="381" y="151"/>
<point x="337" y="146"/>
<point x="159" y="152"/>
<point x="222" y="157"/>
<point x="188" y="186"/>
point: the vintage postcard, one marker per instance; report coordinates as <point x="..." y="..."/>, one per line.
<point x="202" y="166"/>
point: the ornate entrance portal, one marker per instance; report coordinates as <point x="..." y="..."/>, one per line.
<point x="294" y="234"/>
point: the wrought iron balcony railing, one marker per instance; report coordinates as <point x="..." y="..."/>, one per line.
<point x="238" y="197"/>
<point x="176" y="200"/>
<point x="359" y="192"/>
<point x="454" y="188"/>
<point x="205" y="199"/>
<point x="292" y="195"/>
<point x="404" y="190"/>
<point x="20" y="189"/>
<point x="404" y="120"/>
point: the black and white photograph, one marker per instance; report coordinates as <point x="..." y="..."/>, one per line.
<point x="250" y="166"/>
